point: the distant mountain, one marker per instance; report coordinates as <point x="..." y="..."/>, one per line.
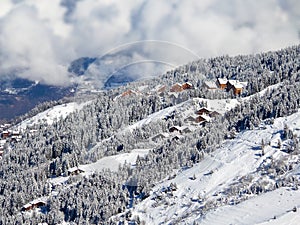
<point x="104" y="71"/>
<point x="79" y="66"/>
<point x="115" y="69"/>
<point x="18" y="96"/>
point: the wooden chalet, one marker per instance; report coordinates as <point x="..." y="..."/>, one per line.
<point x="176" y="88"/>
<point x="34" y="204"/>
<point x="176" y="137"/>
<point x="236" y="86"/>
<point x="222" y="83"/>
<point x="237" y="89"/>
<point x="129" y="92"/>
<point x="203" y="111"/>
<point x="15" y="133"/>
<point x="181" y="130"/>
<point x="191" y="118"/>
<point x="200" y="119"/>
<point x="175" y="129"/>
<point x="5" y="134"/>
<point x="187" y="85"/>
<point x="74" y="171"/>
<point x="160" y="137"/>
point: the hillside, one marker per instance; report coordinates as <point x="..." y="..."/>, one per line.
<point x="234" y="184"/>
<point x="170" y="150"/>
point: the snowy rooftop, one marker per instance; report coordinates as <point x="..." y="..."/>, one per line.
<point x="71" y="170"/>
<point x="206" y="117"/>
<point x="238" y="85"/>
<point x="222" y="80"/>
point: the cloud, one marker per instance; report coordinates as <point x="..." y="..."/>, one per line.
<point x="38" y="39"/>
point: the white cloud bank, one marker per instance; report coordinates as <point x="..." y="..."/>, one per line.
<point x="38" y="39"/>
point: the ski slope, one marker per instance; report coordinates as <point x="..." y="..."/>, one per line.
<point x="222" y="170"/>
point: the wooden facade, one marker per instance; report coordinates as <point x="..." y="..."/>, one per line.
<point x="5" y="134"/>
<point x="203" y="111"/>
<point x="33" y="205"/>
<point x="186" y="86"/>
<point x="222" y="83"/>
<point x="74" y="171"/>
<point x="176" y="88"/>
<point x="200" y="119"/>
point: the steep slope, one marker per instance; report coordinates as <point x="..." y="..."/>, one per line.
<point x="221" y="189"/>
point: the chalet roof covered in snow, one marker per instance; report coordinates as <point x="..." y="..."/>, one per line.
<point x="74" y="169"/>
<point x="222" y="80"/>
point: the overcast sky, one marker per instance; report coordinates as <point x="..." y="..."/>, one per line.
<point x="39" y="38"/>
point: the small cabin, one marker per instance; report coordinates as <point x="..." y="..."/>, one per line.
<point x="74" y="171"/>
<point x="5" y="134"/>
<point x="175" y="129"/>
<point x="176" y="88"/>
<point x="159" y="137"/>
<point x="222" y="83"/>
<point x="27" y="207"/>
<point x="200" y="119"/>
<point x="191" y="118"/>
<point x="34" y="204"/>
<point x="15" y="133"/>
<point x="237" y="89"/>
<point x="231" y="84"/>
<point x="236" y="86"/>
<point x="187" y="85"/>
<point x="176" y="137"/>
<point x="129" y="92"/>
<point x="203" y="111"/>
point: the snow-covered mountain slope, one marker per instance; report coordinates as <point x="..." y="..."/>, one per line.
<point x="186" y="163"/>
<point x="52" y="114"/>
<point x="274" y="207"/>
<point x="113" y="162"/>
<point x="221" y="189"/>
